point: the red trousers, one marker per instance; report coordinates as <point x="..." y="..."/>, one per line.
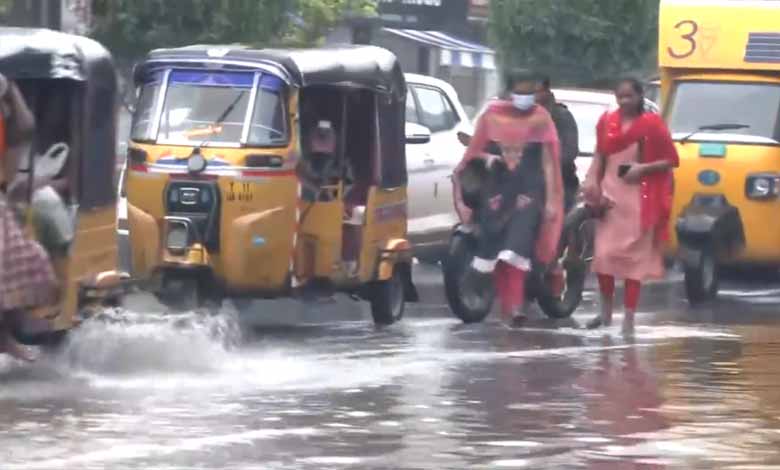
<point x="510" y="286"/>
<point x="633" y="288"/>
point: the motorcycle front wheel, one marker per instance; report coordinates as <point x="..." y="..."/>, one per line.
<point x="466" y="303"/>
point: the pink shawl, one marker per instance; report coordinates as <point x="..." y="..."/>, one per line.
<point x="502" y="123"/>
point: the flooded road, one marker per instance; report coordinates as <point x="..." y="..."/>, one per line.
<point x="690" y="389"/>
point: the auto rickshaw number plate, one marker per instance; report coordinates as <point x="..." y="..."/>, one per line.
<point x="712" y="150"/>
<point x="239" y="191"/>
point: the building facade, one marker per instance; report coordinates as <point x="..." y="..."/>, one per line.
<point x="71" y="16"/>
<point x="441" y="38"/>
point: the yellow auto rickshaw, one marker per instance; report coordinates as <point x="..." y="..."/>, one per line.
<point x="231" y="193"/>
<point x="720" y="82"/>
<point x="64" y="192"/>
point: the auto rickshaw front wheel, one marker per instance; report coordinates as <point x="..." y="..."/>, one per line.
<point x="187" y="293"/>
<point x="702" y="278"/>
<point x="388" y="299"/>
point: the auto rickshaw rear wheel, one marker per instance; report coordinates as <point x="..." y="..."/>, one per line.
<point x="388" y="299"/>
<point x="702" y="279"/>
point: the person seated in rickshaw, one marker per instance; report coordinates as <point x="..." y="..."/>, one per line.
<point x="319" y="166"/>
<point x="520" y="212"/>
<point x="27" y="278"/>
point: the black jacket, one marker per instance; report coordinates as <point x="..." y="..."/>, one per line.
<point x="568" y="135"/>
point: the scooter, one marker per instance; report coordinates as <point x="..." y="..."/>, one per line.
<point x="556" y="299"/>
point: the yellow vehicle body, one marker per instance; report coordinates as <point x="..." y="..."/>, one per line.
<point x="267" y="205"/>
<point x="69" y="84"/>
<point x="713" y="52"/>
<point x="262" y="236"/>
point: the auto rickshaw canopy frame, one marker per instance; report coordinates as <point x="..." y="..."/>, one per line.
<point x="342" y="67"/>
<point x="41" y="54"/>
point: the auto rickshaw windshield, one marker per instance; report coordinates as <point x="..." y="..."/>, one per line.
<point x="211" y="107"/>
<point x="699" y="105"/>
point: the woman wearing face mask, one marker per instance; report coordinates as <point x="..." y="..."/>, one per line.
<point x="523" y="214"/>
<point x="631" y="177"/>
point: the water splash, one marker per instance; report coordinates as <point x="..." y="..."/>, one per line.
<point x="126" y="342"/>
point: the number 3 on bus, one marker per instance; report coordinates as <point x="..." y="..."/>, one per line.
<point x="688" y="30"/>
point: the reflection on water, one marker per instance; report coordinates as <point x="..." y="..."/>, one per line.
<point x="151" y="391"/>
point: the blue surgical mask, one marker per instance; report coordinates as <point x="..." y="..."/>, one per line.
<point x="523" y="102"/>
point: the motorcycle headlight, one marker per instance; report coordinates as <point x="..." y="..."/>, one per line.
<point x="763" y="186"/>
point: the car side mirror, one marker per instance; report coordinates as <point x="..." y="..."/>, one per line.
<point x="417" y="134"/>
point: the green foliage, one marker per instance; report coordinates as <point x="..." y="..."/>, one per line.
<point x="130" y="28"/>
<point x="582" y="42"/>
<point x="316" y="17"/>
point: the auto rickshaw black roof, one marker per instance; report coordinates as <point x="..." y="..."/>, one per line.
<point x="28" y="55"/>
<point x="365" y="66"/>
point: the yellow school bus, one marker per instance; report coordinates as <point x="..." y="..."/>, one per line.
<point x="720" y="92"/>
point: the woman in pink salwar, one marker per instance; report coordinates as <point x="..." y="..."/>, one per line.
<point x="631" y="180"/>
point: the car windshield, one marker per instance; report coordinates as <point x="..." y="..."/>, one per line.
<point x="698" y="104"/>
<point x="587" y="116"/>
<point x="212" y="107"/>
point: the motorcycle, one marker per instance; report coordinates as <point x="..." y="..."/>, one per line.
<point x="556" y="299"/>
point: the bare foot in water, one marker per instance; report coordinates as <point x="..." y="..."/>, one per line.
<point x="10" y="346"/>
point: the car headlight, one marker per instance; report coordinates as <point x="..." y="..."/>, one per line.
<point x="763" y="186"/>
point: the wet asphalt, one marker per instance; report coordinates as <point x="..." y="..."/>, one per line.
<point x="290" y="386"/>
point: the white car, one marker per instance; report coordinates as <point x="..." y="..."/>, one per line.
<point x="434" y="104"/>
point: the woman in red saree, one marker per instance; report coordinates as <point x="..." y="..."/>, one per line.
<point x="525" y="207"/>
<point x="631" y="177"/>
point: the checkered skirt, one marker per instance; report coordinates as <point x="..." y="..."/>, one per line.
<point x="27" y="278"/>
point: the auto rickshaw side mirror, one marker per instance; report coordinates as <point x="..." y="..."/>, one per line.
<point x="464" y="138"/>
<point x="417" y="134"/>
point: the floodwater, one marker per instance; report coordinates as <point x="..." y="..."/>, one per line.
<point x="689" y="389"/>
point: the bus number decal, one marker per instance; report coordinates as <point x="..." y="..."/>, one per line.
<point x="690" y="28"/>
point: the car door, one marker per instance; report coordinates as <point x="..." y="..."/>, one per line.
<point x="586" y="115"/>
<point x="440" y="158"/>
<point x="421" y="176"/>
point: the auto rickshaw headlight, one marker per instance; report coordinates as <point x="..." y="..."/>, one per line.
<point x="196" y="163"/>
<point x="763" y="186"/>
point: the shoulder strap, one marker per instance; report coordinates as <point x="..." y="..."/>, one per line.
<point x="641" y="150"/>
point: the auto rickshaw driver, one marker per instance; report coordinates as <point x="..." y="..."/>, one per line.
<point x="319" y="166"/>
